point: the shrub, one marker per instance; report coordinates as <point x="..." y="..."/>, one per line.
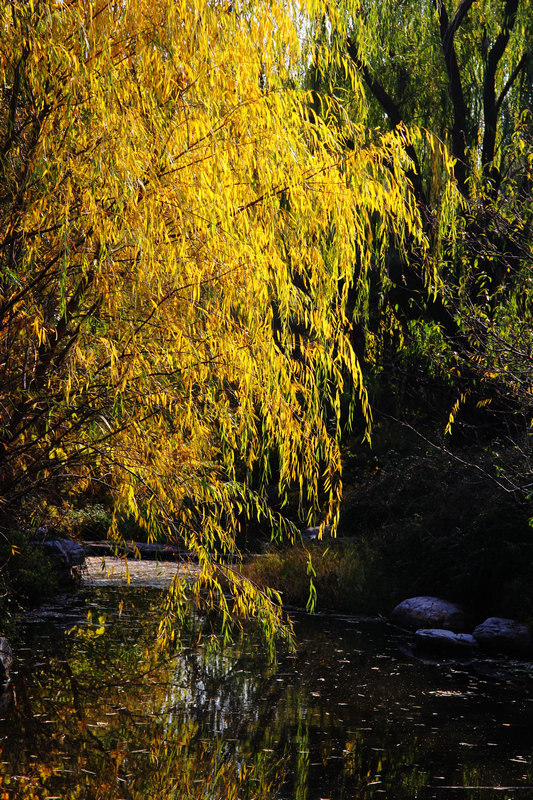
<point x="347" y="575"/>
<point x="26" y="573"/>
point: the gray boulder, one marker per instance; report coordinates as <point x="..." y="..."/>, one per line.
<point x="507" y="635"/>
<point x="6" y="660"/>
<point x="69" y="552"/>
<point x="67" y="556"/>
<point x="428" y="612"/>
<point x="445" y="641"/>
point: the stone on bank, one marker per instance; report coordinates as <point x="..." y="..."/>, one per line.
<point x="498" y="633"/>
<point x="429" y="612"/>
<point x="441" y="625"/>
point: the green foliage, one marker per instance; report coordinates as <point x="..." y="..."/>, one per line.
<point x="461" y="72"/>
<point x="26" y="573"/>
<point x="90" y="522"/>
<point x="451" y="68"/>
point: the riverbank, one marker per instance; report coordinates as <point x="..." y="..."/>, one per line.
<point x="417" y="519"/>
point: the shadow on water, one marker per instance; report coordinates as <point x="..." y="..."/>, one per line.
<point x="96" y="713"/>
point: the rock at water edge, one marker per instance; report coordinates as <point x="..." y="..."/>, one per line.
<point x="429" y="612"/>
<point x="508" y="635"/>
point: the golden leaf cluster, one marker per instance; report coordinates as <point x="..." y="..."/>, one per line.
<point x="180" y="237"/>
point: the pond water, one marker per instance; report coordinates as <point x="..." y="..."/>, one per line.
<point x="95" y="713"/>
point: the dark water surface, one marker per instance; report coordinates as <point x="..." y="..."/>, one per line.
<point x="95" y="714"/>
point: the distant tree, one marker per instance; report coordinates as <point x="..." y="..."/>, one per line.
<point x="171" y="220"/>
<point x="463" y="72"/>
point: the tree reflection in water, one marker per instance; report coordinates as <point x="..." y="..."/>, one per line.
<point x="99" y="714"/>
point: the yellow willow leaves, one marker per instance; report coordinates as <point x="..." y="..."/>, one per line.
<point x="187" y="237"/>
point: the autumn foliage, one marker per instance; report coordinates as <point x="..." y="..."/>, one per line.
<point x="179" y="236"/>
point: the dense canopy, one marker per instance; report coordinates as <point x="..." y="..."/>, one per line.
<point x="181" y="230"/>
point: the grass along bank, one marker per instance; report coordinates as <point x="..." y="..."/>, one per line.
<point x="418" y="520"/>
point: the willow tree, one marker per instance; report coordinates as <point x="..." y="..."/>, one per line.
<point x="178" y="239"/>
<point x="462" y="70"/>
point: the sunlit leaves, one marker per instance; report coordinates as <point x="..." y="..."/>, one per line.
<point x="179" y="240"/>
